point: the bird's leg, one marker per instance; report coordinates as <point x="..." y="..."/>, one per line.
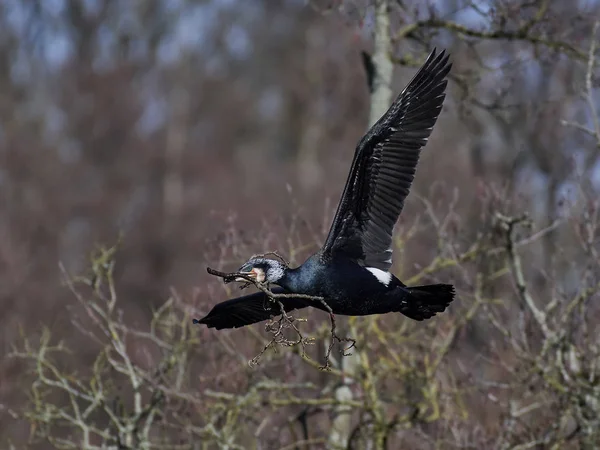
<point x="334" y="338"/>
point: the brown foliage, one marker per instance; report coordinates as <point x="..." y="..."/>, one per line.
<point x="236" y="139"/>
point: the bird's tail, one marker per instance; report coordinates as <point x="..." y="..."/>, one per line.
<point x="424" y="302"/>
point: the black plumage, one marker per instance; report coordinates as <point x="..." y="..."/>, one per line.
<point x="351" y="270"/>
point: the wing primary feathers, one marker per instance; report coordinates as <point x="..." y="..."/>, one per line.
<point x="384" y="165"/>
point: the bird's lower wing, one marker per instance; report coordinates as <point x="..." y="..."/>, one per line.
<point x="249" y="309"/>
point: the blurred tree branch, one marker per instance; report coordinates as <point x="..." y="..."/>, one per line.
<point x="524" y="32"/>
<point x="512" y="364"/>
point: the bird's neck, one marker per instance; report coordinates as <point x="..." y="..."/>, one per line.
<point x="289" y="281"/>
<point x="298" y="280"/>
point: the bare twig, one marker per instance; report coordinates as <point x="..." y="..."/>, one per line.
<point x="286" y="321"/>
<point x="508" y="225"/>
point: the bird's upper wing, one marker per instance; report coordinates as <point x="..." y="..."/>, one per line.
<point x="383" y="169"/>
<point x="249" y="309"/>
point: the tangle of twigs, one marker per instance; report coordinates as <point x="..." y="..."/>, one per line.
<point x="277" y="326"/>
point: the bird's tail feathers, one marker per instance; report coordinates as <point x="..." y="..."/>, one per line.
<point x="424" y="302"/>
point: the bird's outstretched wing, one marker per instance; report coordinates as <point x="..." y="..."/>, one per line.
<point x="383" y="169"/>
<point x="249" y="309"/>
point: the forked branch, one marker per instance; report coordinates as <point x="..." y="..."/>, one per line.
<point x="276" y="327"/>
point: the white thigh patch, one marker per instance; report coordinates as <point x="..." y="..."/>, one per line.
<point x="383" y="276"/>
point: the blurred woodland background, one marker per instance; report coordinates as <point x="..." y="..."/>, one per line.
<point x="143" y="141"/>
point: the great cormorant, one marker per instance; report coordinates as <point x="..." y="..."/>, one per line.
<point x="350" y="272"/>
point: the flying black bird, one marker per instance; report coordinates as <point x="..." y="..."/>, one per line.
<point x="351" y="270"/>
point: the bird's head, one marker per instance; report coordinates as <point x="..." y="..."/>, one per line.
<point x="263" y="270"/>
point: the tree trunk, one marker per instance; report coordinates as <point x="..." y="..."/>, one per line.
<point x="381" y="97"/>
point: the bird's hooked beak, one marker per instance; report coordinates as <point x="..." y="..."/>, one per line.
<point x="253" y="272"/>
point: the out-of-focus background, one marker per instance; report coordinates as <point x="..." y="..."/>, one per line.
<point x="197" y="133"/>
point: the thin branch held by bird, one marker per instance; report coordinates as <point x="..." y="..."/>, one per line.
<point x="276" y="327"/>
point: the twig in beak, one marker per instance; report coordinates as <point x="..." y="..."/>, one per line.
<point x="231" y="276"/>
<point x="285" y="321"/>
